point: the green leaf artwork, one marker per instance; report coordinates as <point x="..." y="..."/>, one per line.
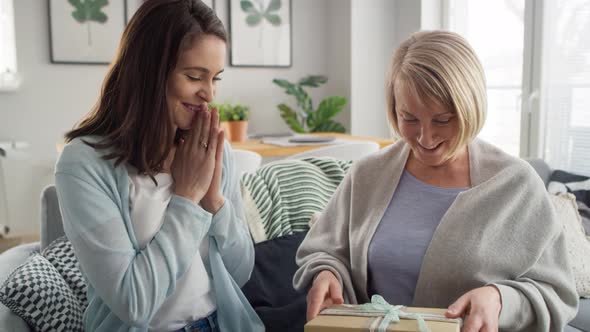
<point x="257" y="13"/>
<point x="86" y="11"/>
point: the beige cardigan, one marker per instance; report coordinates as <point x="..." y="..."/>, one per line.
<point x="503" y="230"/>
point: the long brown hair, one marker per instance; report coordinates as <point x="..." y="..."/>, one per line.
<point x="131" y="115"/>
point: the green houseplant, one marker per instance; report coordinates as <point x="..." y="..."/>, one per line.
<point x="306" y="119"/>
<point x="234" y="120"/>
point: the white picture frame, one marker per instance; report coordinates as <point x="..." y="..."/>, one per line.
<point x="77" y="37"/>
<point x="131" y="7"/>
<point x="260" y="33"/>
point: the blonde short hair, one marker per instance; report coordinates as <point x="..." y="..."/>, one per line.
<point x="440" y="67"/>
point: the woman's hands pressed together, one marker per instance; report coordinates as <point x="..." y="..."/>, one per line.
<point x="481" y="308"/>
<point x="198" y="161"/>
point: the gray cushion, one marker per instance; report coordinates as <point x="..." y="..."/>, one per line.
<point x="9" y="260"/>
<point x="582" y="320"/>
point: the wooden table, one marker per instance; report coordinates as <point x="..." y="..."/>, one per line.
<point x="268" y="150"/>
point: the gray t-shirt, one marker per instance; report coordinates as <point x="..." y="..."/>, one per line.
<point x="402" y="237"/>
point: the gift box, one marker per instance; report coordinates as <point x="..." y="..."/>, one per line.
<point x="379" y="316"/>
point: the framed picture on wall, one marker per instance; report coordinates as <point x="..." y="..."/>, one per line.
<point x="131" y="7"/>
<point x="81" y="32"/>
<point x="260" y="32"/>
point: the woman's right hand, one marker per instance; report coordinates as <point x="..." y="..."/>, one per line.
<point x="325" y="291"/>
<point x="194" y="159"/>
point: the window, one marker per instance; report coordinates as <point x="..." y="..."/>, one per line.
<point x="495" y="29"/>
<point x="9" y="78"/>
<point x="565" y="87"/>
<point x="549" y="80"/>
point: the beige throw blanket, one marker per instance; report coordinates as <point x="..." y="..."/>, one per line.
<point x="503" y="230"/>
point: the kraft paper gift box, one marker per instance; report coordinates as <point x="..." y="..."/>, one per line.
<point x="368" y="318"/>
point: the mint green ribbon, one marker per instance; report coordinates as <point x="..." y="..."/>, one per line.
<point x="393" y="313"/>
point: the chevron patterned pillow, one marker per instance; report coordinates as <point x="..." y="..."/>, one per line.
<point x="37" y="293"/>
<point x="60" y="254"/>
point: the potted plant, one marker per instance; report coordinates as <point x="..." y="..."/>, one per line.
<point x="234" y="120"/>
<point x="305" y="118"/>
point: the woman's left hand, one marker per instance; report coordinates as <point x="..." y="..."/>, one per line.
<point x="481" y="308"/>
<point x="213" y="199"/>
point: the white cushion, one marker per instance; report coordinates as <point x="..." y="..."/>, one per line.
<point x="578" y="245"/>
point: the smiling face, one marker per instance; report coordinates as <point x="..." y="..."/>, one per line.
<point x="427" y="127"/>
<point x="193" y="82"/>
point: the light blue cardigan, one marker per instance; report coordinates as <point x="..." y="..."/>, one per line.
<point x="127" y="284"/>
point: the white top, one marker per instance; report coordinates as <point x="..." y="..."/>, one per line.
<point x="192" y="298"/>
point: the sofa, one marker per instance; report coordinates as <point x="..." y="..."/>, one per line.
<point x="269" y="289"/>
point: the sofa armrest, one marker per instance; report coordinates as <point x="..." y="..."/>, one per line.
<point x="9" y="260"/>
<point x="51" y="220"/>
<point x="13" y="257"/>
<point x="11" y="322"/>
<point x="582" y="320"/>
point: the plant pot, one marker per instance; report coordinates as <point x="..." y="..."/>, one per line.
<point x="225" y="126"/>
<point x="237" y="131"/>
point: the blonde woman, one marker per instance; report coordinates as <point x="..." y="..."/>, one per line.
<point x="441" y="218"/>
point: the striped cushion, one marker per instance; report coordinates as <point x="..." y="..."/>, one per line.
<point x="280" y="197"/>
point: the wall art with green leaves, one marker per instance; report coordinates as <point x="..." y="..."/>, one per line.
<point x="260" y="32"/>
<point x="85" y="31"/>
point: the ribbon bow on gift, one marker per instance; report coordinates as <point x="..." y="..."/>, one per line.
<point x="392" y="313"/>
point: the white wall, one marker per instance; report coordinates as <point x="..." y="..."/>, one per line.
<point x="372" y="41"/>
<point x="49" y="101"/>
<point x="378" y="27"/>
<point x="407" y="19"/>
<point x="431" y="14"/>
<point x="350" y="41"/>
<point x="339" y="56"/>
<point x="54" y="97"/>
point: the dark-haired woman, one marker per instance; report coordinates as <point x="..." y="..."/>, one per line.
<point x="147" y="185"/>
